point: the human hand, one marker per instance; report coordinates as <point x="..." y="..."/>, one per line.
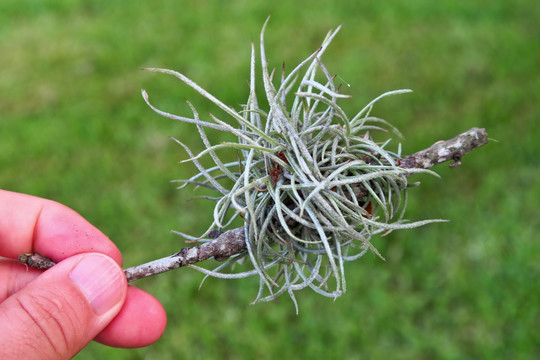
<point x="55" y="313"/>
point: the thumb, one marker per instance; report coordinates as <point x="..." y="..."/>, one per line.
<point x="63" y="309"/>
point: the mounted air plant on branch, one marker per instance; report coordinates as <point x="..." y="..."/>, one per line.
<point x="311" y="184"/>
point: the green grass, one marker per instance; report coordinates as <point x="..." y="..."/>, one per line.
<point x="74" y="128"/>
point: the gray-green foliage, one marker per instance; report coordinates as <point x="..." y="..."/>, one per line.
<point x="311" y="183"/>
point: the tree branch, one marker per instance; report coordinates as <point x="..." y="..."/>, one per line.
<point x="442" y="151"/>
<point x="232" y="242"/>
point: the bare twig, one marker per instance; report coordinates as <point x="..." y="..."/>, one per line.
<point x="232" y="242"/>
<point x="443" y="151"/>
<point x="227" y="244"/>
<point x="36" y="260"/>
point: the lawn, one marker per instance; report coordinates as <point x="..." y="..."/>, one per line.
<point x="74" y="128"/>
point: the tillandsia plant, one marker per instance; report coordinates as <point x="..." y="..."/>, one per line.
<point x="311" y="184"/>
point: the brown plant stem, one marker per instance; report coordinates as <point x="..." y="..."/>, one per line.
<point x="442" y="151"/>
<point x="232" y="242"/>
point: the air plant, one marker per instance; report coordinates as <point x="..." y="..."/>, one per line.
<point x="311" y="184"/>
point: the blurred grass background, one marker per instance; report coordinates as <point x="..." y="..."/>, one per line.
<point x="74" y="128"/>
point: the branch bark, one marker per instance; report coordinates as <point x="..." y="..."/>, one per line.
<point x="442" y="151"/>
<point x="232" y="242"/>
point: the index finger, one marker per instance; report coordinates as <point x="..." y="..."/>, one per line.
<point x="30" y="224"/>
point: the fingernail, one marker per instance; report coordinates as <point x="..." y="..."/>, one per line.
<point x="100" y="280"/>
